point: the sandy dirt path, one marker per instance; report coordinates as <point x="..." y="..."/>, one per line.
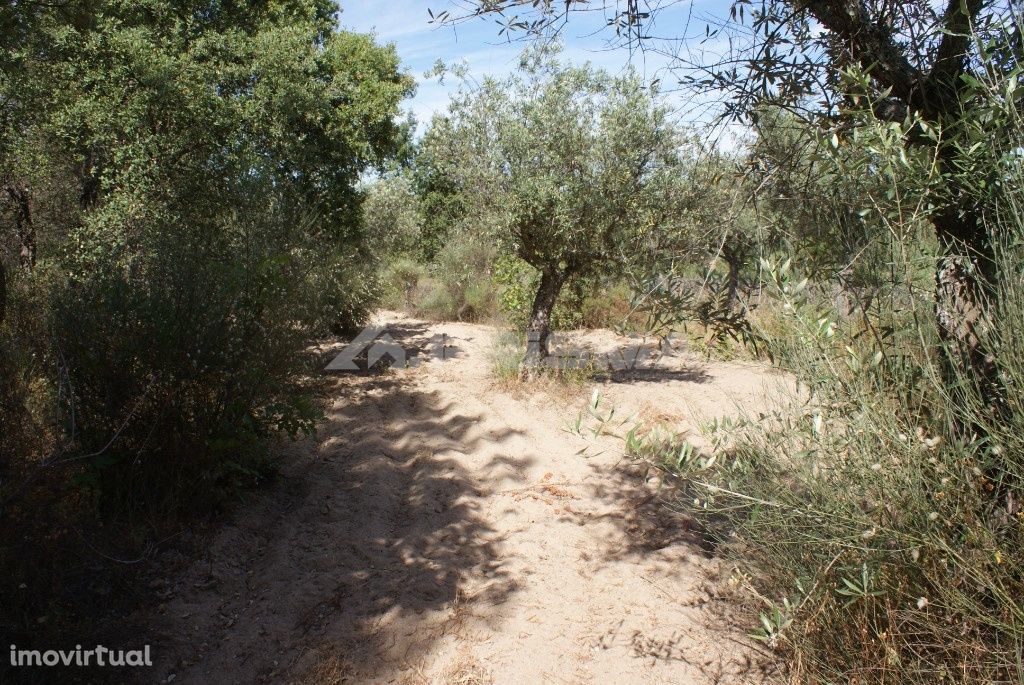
<point x="438" y="529"/>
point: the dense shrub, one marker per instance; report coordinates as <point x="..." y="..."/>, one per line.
<point x="461" y="286"/>
<point x="183" y="193"/>
<point x="186" y="363"/>
<point x="876" y="515"/>
<point x="179" y="198"/>
<point x="467" y="281"/>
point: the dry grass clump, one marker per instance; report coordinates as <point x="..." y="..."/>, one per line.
<point x="877" y="520"/>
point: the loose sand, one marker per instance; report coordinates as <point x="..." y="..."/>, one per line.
<point x="441" y="528"/>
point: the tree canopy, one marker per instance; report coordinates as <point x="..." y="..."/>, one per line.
<point x="182" y="180"/>
<point x="569" y="168"/>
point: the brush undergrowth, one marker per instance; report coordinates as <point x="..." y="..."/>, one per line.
<point x="881" y="536"/>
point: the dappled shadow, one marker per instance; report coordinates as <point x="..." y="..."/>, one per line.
<point x="645" y="523"/>
<point x="677" y="646"/>
<point x="636" y="361"/>
<point x="379" y="548"/>
<point x="634" y="521"/>
<point x="660" y="373"/>
<point x="645" y="511"/>
<point x="372" y="547"/>
<point x="410" y="518"/>
<point x="413" y="346"/>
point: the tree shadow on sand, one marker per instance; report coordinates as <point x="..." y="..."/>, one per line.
<point x="397" y="345"/>
<point x="371" y="547"/>
<point x="656" y="374"/>
<point x="637" y="361"/>
<point x="648" y="518"/>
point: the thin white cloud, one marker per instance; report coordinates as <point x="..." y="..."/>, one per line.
<point x="390" y="21"/>
<point x="479" y="46"/>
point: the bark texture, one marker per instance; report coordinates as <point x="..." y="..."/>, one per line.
<point x="21" y="199"/>
<point x="966" y="274"/>
<point x="539" y="330"/>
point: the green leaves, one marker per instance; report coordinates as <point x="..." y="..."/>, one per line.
<point x="857" y="588"/>
<point x="569" y="164"/>
<point x="194" y="173"/>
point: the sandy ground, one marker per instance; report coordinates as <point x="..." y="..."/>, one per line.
<point x="441" y="529"/>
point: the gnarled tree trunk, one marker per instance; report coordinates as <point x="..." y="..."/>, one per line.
<point x="967" y="272"/>
<point x="21" y="197"/>
<point x="733" y="294"/>
<point x="965" y="289"/>
<point x="964" y="281"/>
<point x="735" y="252"/>
<point x="3" y="293"/>
<point x="539" y="330"/>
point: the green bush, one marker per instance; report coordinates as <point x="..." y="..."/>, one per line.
<point x="182" y="366"/>
<point x="518" y="283"/>
<point x="456" y="286"/>
<point x="438" y="302"/>
<point x="23" y="399"/>
<point x="875" y="515"/>
<point x="401" y="281"/>
<point x="169" y="275"/>
<point x="609" y="307"/>
<point x="507" y="356"/>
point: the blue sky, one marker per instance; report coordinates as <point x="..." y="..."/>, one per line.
<point x="477" y="43"/>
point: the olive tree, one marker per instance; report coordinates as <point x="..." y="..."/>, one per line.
<point x="569" y="168"/>
<point x="946" y="73"/>
<point x="392" y="216"/>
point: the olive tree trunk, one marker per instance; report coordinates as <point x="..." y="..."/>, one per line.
<point x="3" y="293"/>
<point x="964" y="283"/>
<point x="734" y="282"/>
<point x="735" y="252"/>
<point x="539" y="329"/>
<point x="21" y="198"/>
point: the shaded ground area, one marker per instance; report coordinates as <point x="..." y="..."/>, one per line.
<point x="438" y="529"/>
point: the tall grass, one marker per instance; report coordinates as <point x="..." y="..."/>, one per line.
<point x="468" y="281"/>
<point x="878" y="515"/>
